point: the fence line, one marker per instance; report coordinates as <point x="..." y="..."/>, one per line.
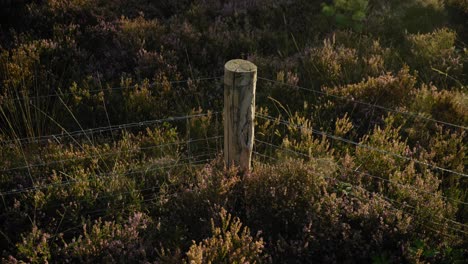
<point x="150" y="168"/>
<point x="99" y="212"/>
<point x="116" y="194"/>
<point x="107" y="154"/>
<point x="112" y="89"/>
<point x="412" y="114"/>
<point x="411" y="214"/>
<point x="155" y="166"/>
<point x="365" y="173"/>
<point x="31" y="140"/>
<point x="391" y="200"/>
<point x="260" y="154"/>
<point x="89" y="213"/>
<point x="321" y="133"/>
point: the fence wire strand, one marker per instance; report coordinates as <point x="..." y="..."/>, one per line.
<point x="150" y="168"/>
<point x="108" y="154"/>
<point x="321" y="133"/>
<point x="111" y="89"/>
<point x="104" y="129"/>
<point x="364" y="173"/>
<point x="396" y="111"/>
<point x="391" y="201"/>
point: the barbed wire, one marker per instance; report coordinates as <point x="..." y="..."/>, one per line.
<point x="321" y="133"/>
<point x="396" y="111"/>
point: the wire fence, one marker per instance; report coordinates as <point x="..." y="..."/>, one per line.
<point x="58" y="93"/>
<point x="202" y="158"/>
<point x="107" y="176"/>
<point x="360" y="172"/>
<point x="110" y="154"/>
<point x="190" y="165"/>
<point x="352" y="100"/>
<point x="382" y="151"/>
<point x="391" y="201"/>
<point x="87" y="132"/>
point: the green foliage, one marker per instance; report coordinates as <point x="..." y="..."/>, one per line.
<point x="435" y="56"/>
<point x="70" y="65"/>
<point x="345" y="58"/>
<point x="387" y="90"/>
<point x="450" y="106"/>
<point x="397" y="17"/>
<point x="109" y="242"/>
<point x="35" y="246"/>
<point x="347" y="13"/>
<point x="230" y="243"/>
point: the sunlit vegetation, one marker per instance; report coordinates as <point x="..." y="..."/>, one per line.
<point x="388" y="76"/>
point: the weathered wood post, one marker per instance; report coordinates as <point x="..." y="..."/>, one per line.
<point x="240" y="78"/>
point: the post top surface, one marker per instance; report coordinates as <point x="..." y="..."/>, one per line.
<point x="240" y="66"/>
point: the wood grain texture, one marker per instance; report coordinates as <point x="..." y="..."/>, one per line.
<point x="240" y="78"/>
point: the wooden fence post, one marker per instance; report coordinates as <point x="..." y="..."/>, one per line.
<point x="240" y="78"/>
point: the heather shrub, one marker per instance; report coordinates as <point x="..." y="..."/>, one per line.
<point x="142" y="101"/>
<point x="441" y="104"/>
<point x="78" y="192"/>
<point x="73" y="181"/>
<point x="375" y="54"/>
<point x="407" y="182"/>
<point x="140" y="33"/>
<point x="109" y="242"/>
<point x="393" y="88"/>
<point x="22" y="76"/>
<point x="347" y="58"/>
<point x="207" y="127"/>
<point x="436" y="57"/>
<point x="229" y="243"/>
<point x="279" y="198"/>
<point x="306" y="214"/>
<point x="333" y="63"/>
<point x="394" y="18"/>
<point x="34" y="247"/>
<point x="191" y="198"/>
<point x="90" y="106"/>
<point x="300" y="137"/>
<point x="447" y="149"/>
<point x="388" y="90"/>
<point x="380" y="147"/>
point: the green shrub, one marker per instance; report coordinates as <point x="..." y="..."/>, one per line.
<point x="300" y="138"/>
<point x="439" y="104"/>
<point x="140" y="33"/>
<point x="109" y="242"/>
<point x="307" y="212"/>
<point x="346" y="58"/>
<point x="230" y="243"/>
<point x="35" y="247"/>
<point x="347" y="13"/>
<point x="394" y="18"/>
<point x="435" y="56"/>
<point x="388" y="90"/>
<point x="190" y="198"/>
